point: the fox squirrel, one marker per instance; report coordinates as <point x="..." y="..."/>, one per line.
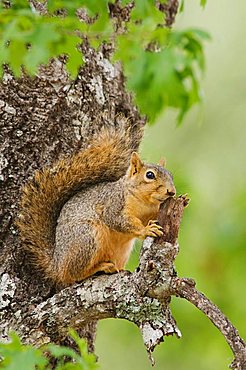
<point x="82" y="216"/>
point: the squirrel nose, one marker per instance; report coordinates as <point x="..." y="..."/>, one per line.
<point x="171" y="193"/>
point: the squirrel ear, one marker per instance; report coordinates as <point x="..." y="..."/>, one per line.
<point x="162" y="162"/>
<point x="135" y="164"/>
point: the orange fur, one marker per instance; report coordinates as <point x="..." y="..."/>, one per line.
<point x="106" y="159"/>
<point x="73" y="237"/>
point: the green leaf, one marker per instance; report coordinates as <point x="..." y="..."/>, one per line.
<point x="17" y="356"/>
<point x="61" y="351"/>
<point x="70" y="6"/>
<point x="145" y="9"/>
<point x="20" y="4"/>
<point x="14" y="355"/>
<point x="88" y="360"/>
<point x="182" y="5"/>
<point x="125" y="2"/>
<point x="102" y="29"/>
<point x="201" y="34"/>
<point x="40" y="51"/>
<point x="82" y="361"/>
<point x="203" y="3"/>
<point x="167" y="78"/>
<point x="17" y="52"/>
<point x="4" y="53"/>
<point x="162" y="66"/>
<point x="69" y="47"/>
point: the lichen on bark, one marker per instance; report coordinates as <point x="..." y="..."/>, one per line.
<point x="48" y="117"/>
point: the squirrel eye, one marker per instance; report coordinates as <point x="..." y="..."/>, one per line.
<point x="150" y="175"/>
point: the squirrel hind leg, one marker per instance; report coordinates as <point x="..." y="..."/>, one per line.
<point x="78" y="253"/>
<point x="82" y="256"/>
<point x="108" y="267"/>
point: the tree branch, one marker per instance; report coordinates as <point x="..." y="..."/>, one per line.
<point x="123" y="295"/>
<point x="185" y="288"/>
<point x="32" y="107"/>
<point x="142" y="297"/>
<point x="97" y="298"/>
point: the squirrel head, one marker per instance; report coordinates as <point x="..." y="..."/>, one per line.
<point x="152" y="183"/>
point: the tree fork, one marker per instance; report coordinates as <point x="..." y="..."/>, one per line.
<point x="52" y="113"/>
<point x="142" y="297"/>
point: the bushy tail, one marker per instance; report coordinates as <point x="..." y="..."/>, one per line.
<point x="106" y="159"/>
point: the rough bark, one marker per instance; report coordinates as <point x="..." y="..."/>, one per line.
<point x="142" y="297"/>
<point x="42" y="119"/>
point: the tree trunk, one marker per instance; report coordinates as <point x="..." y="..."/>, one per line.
<point x="43" y="119"/>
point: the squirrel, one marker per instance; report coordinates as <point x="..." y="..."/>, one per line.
<point x="81" y="216"/>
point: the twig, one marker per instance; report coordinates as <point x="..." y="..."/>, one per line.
<point x="185" y="288"/>
<point x="142" y="297"/>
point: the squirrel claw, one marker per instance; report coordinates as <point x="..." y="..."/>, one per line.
<point x="153" y="222"/>
<point x="185" y="199"/>
<point x="153" y="229"/>
<point x="155" y="234"/>
<point x="108" y="267"/>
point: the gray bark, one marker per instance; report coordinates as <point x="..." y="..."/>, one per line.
<point x="41" y="120"/>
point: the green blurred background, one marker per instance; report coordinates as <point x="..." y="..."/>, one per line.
<point x="207" y="156"/>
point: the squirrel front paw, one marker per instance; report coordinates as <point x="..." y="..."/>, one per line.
<point x="152" y="229"/>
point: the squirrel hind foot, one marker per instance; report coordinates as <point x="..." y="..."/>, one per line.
<point x="108" y="267"/>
